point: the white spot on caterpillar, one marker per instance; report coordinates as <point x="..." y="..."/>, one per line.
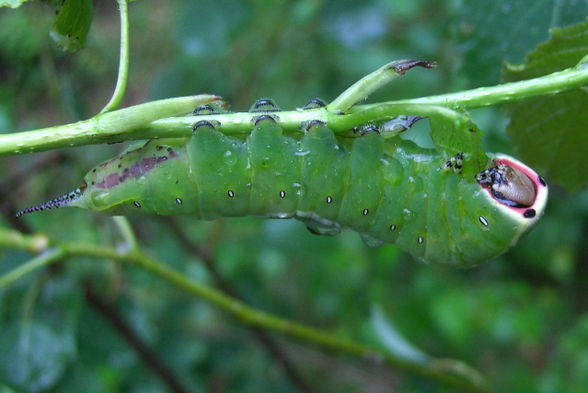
<point x="365" y="212"/>
<point x="137" y="204"/>
<point x="392" y="228"/>
<point x="179" y="201"/>
<point x="483" y="220"/>
<point x="282" y="194"/>
<point x="329" y="199"/>
<point x="420" y="240"/>
<point x="230" y="193"/>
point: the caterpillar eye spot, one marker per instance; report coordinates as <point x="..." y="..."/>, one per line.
<point x="483" y="220"/>
<point x="529" y="213"/>
<point x="137" y="204"/>
<point x="230" y="193"/>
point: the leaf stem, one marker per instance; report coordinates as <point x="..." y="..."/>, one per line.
<point x="123" y="66"/>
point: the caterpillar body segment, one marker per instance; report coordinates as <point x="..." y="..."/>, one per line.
<point x="390" y="191"/>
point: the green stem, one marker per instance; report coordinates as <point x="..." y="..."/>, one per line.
<point x="41" y="260"/>
<point x="144" y="122"/>
<point x="361" y="89"/>
<point x="123" y="66"/>
<point x="126" y="230"/>
<point x="115" y="126"/>
<point x="452" y="373"/>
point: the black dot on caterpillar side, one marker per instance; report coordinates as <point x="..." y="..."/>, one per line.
<point x="179" y="201"/>
<point x="230" y="193"/>
<point x="365" y="212"/>
<point x="329" y="199"/>
<point x="137" y="204"/>
<point x="483" y="220"/>
<point x="420" y="240"/>
<point x="529" y="213"/>
<point x="282" y="194"/>
<point x="392" y="228"/>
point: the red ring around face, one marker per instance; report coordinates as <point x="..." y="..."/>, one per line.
<point x="529" y="211"/>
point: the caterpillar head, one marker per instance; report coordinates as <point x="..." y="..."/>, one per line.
<point x="515" y="188"/>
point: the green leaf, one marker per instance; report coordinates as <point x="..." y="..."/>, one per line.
<point x="550" y="132"/>
<point x="12" y="3"/>
<point x="72" y="24"/>
<point x="493" y="31"/>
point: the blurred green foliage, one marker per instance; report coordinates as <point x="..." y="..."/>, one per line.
<point x="521" y="319"/>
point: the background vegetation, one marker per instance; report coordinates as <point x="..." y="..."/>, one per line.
<point x="521" y="319"/>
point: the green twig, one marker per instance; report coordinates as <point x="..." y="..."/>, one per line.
<point x="448" y="372"/>
<point x="124" y="226"/>
<point x="149" y="120"/>
<point x="46" y="258"/>
<point x="123" y="66"/>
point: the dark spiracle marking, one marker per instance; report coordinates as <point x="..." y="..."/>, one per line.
<point x="483" y="220"/>
<point x="329" y="199"/>
<point x="307" y="125"/>
<point x="257" y="119"/>
<point x="365" y="212"/>
<point x="366" y="129"/>
<point x="529" y="213"/>
<point x="205" y="109"/>
<point x="282" y="194"/>
<point x="230" y="193"/>
<point x="205" y="123"/>
<point x="392" y="228"/>
<point x="420" y="240"/>
<point x="542" y="181"/>
<point x="179" y="201"/>
<point x="264" y="105"/>
<point x="314" y="103"/>
<point x="137" y="204"/>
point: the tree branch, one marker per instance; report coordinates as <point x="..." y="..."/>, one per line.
<point x="451" y="373"/>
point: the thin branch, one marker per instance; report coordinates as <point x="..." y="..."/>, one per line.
<point x="44" y="259"/>
<point x="110" y="313"/>
<point x="451" y="373"/>
<point x="270" y="345"/>
<point x="123" y="66"/>
<point x="148" y="121"/>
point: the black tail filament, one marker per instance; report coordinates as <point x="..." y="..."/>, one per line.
<point x="54" y="203"/>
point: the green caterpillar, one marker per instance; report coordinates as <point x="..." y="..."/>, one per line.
<point x="388" y="190"/>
